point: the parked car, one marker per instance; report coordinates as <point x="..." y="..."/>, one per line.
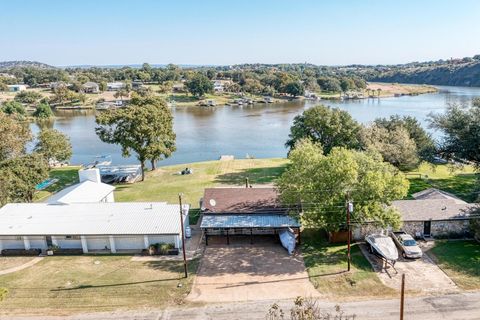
<point x="406" y="244"/>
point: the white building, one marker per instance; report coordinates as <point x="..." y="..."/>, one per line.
<point x="115" y="86"/>
<point x="90" y="189"/>
<point x="17" y="87"/>
<point x="127" y="226"/>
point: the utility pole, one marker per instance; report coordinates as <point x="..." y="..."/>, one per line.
<point x="183" y="236"/>
<point x="246" y="182"/>
<point x="402" y="297"/>
<point x="349" y="208"/>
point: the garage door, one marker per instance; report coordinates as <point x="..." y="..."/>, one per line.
<point x="129" y="243"/>
<point x="98" y="243"/>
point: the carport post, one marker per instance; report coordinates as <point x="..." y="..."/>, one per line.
<point x="183" y="236"/>
<point x="402" y="297"/>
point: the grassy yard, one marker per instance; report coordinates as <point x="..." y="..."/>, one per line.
<point x="461" y="181"/>
<point x="461" y="262"/>
<point x="165" y="183"/>
<point x="60" y="285"/>
<point x="66" y="176"/>
<point x="327" y="264"/>
<point x="11" y="262"/>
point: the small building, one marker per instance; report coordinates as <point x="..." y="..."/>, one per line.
<point x="178" y="87"/>
<point x="91" y="227"/>
<point x="91" y="87"/>
<point x="89" y="189"/>
<point x="432" y="213"/>
<point x="115" y="86"/>
<point x="16" y="87"/>
<point x="220" y="85"/>
<point x="231" y="212"/>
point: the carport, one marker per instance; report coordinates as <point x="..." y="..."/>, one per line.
<point x="251" y="225"/>
<point x="247" y="213"/>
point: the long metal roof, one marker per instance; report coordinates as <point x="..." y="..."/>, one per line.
<point x="249" y="221"/>
<point x="116" y="218"/>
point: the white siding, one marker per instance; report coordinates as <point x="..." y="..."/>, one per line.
<point x="37" y="242"/>
<point x="97" y="243"/>
<point x="12" y="242"/>
<point x="64" y="243"/>
<point x="129" y="243"/>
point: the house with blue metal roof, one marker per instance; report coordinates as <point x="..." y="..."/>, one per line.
<point x="245" y="212"/>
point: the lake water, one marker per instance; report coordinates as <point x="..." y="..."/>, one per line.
<point x="259" y="131"/>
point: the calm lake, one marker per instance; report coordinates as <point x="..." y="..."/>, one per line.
<point x="259" y="131"/>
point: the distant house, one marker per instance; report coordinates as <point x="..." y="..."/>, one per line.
<point x="17" y="87"/>
<point x="220" y="85"/>
<point x="178" y="87"/>
<point x="432" y="213"/>
<point x="91" y="87"/>
<point x="115" y="86"/>
<point x="58" y="84"/>
<point x="231" y="212"/>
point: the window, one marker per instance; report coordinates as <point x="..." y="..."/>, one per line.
<point x="72" y="237"/>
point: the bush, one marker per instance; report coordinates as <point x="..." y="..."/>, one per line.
<point x="43" y="111"/>
<point x="3" y="293"/>
<point x="21" y="252"/>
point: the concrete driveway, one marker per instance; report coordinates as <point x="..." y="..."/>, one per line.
<point x="250" y="272"/>
<point x="421" y="275"/>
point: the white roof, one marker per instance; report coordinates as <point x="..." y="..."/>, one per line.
<point x="86" y="191"/>
<point x="115" y="218"/>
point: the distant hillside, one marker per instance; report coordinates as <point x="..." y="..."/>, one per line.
<point x="464" y="72"/>
<point x="15" y="64"/>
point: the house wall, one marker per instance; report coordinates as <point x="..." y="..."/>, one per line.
<point x="12" y="242"/>
<point x="415" y="228"/>
<point x="97" y="242"/>
<point x="65" y="243"/>
<point x="37" y="242"/>
<point x="129" y="242"/>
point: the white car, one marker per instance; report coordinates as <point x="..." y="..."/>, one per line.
<point x="407" y="245"/>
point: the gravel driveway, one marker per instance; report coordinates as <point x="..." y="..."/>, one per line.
<point x="250" y="272"/>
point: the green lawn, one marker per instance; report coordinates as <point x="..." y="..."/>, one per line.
<point x="327" y="264"/>
<point x="60" y="285"/>
<point x="461" y="262"/>
<point x="66" y="176"/>
<point x="165" y="183"/>
<point x="461" y="181"/>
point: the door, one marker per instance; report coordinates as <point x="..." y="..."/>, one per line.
<point x="427" y="226"/>
<point x="49" y="241"/>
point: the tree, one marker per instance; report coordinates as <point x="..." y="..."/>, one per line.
<point x="43" y="111"/>
<point x="121" y="93"/>
<point x="322" y="182"/>
<point x="199" y="85"/>
<point x="425" y="145"/>
<point x="144" y="127"/>
<point x="331" y="127"/>
<point x="329" y="84"/>
<point x="20" y="175"/>
<point x="394" y="145"/>
<point x="461" y="131"/>
<point x="53" y="146"/>
<point x="13" y="108"/>
<point x="14" y="137"/>
<point x="29" y="97"/>
<point x="294" y="88"/>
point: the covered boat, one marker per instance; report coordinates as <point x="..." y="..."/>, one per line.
<point x="383" y="246"/>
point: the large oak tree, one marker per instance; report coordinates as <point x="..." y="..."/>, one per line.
<point x="145" y="127"/>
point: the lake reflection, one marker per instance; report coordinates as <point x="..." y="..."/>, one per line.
<point x="258" y="130"/>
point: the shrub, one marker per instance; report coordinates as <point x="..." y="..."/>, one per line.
<point x="3" y="293"/>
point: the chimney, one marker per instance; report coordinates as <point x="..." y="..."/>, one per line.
<point x="89" y="175"/>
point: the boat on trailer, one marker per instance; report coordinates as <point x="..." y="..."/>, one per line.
<point x="383" y="246"/>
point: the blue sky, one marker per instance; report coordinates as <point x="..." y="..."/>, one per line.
<point x="62" y="32"/>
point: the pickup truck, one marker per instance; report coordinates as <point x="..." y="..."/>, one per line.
<point x="406" y="245"/>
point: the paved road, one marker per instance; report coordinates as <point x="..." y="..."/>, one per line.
<point x="464" y="306"/>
